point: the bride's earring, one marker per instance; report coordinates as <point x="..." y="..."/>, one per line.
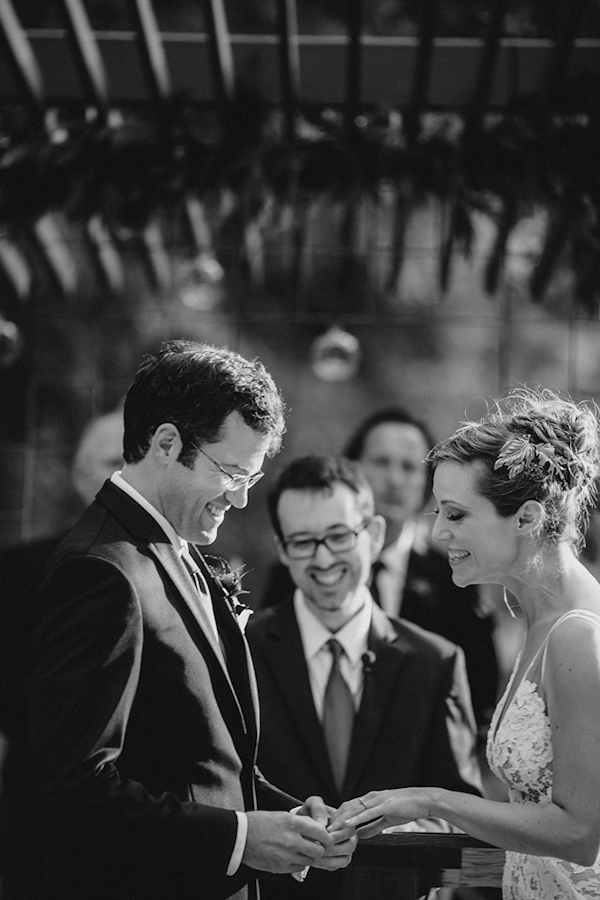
<point x="511" y="609"/>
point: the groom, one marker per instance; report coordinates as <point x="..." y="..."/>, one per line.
<point x="142" y="729"/>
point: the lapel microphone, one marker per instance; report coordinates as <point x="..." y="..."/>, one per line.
<point x="368" y="661"/>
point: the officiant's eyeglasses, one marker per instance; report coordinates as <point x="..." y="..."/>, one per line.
<point x="335" y="541"/>
<point x="236" y="481"/>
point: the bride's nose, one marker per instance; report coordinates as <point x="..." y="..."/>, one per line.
<point x="440" y="531"/>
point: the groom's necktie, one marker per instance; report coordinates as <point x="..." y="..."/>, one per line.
<point x="204" y="597"/>
<point x="338" y="715"/>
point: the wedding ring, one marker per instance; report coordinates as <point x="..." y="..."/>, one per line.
<point x="362" y="803"/>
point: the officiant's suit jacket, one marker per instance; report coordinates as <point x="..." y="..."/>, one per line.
<point x="432" y="600"/>
<point x="415" y="723"/>
<point x="142" y="742"/>
<point x="414" y="726"/>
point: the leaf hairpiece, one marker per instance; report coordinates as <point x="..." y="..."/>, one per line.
<point x="537" y="461"/>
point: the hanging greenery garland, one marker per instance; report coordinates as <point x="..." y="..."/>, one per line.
<point x="127" y="171"/>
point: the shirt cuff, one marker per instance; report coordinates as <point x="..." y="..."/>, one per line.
<point x="240" y="843"/>
<point x="299" y="876"/>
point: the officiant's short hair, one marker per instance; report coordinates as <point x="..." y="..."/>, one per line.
<point x="320" y="474"/>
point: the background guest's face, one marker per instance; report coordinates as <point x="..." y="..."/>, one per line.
<point x="329" y="581"/>
<point x="392" y="460"/>
<point x="99" y="454"/>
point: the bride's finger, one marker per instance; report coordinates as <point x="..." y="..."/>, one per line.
<point x="352" y="809"/>
<point x="366" y="802"/>
<point x="365" y="816"/>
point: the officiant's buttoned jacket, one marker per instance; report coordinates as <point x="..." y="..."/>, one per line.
<point x="414" y="725"/>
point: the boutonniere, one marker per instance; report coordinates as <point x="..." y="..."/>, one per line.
<point x="231" y="582"/>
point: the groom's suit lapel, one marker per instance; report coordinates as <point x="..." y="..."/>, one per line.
<point x="152" y="539"/>
<point x="183" y="580"/>
<point x="239" y="663"/>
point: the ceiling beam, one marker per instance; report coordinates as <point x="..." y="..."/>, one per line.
<point x="220" y="52"/>
<point x="289" y="63"/>
<point x="489" y="60"/>
<point x="566" y="33"/>
<point x="353" y="64"/>
<point x="422" y="71"/>
<point x="16" y="269"/>
<point x="105" y="254"/>
<point x="84" y="47"/>
<point x="154" y="61"/>
<point x="21" y="61"/>
<point x="388" y="65"/>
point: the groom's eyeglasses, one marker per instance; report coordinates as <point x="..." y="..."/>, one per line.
<point x="235" y="481"/>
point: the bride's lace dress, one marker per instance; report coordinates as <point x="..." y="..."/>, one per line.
<point x="519" y="752"/>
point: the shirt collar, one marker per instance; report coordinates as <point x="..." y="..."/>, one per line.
<point x="178" y="543"/>
<point x="395" y="556"/>
<point x="352" y="636"/>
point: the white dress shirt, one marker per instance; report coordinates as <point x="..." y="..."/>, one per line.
<point x="392" y="577"/>
<point x="353" y="637"/>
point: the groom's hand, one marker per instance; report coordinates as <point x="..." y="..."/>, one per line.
<point x="281" y="842"/>
<point x="344" y="839"/>
<point x="316" y="808"/>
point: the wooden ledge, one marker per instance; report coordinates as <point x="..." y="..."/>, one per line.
<point x="409" y="865"/>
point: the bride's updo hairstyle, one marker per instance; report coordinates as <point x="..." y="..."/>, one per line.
<point x="533" y="445"/>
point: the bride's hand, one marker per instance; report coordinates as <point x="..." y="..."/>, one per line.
<point x="377" y="810"/>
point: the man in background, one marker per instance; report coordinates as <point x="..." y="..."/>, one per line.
<point x="386" y="702"/>
<point x="98" y="454"/>
<point x="412" y="578"/>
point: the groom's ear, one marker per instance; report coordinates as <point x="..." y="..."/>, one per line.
<point x="166" y="443"/>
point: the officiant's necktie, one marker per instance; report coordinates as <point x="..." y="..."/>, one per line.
<point x="338" y="715"/>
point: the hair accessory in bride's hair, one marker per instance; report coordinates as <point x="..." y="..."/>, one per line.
<point x="539" y="462"/>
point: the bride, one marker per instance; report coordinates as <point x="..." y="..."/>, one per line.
<point x="513" y="493"/>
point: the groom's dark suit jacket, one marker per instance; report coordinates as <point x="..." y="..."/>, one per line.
<point x="141" y="742"/>
<point x="414" y="726"/>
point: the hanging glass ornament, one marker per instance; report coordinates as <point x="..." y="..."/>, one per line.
<point x="201" y="287"/>
<point x="335" y="355"/>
